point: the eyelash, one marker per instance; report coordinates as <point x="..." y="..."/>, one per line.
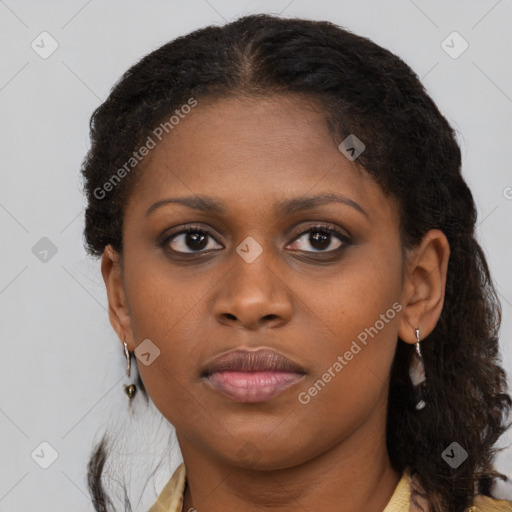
<point x="329" y="229"/>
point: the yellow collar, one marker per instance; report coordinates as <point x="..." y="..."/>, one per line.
<point x="171" y="497"/>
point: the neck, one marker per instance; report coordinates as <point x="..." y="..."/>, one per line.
<point x="353" y="476"/>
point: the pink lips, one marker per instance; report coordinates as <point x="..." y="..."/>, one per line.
<point x="251" y="387"/>
<point x="252" y="376"/>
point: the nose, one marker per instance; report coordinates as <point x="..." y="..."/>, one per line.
<point x="253" y="296"/>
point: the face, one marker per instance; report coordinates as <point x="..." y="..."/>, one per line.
<point x="325" y="290"/>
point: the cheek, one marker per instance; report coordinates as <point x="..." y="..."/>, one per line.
<point x="162" y="309"/>
<point x="358" y="295"/>
<point x="359" y="307"/>
<point x="161" y="301"/>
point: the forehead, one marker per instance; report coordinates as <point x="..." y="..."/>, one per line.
<point x="252" y="150"/>
<point x="245" y="132"/>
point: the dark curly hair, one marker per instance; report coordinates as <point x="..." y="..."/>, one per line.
<point x="412" y="154"/>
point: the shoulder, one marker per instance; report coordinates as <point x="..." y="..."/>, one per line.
<point x="418" y="501"/>
<point x="408" y="496"/>
<point x="486" y="504"/>
<point x="171" y="497"/>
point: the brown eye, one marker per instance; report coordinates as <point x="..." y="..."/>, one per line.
<point x="191" y="240"/>
<point x="320" y="239"/>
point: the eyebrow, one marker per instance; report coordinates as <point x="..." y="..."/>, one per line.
<point x="287" y="207"/>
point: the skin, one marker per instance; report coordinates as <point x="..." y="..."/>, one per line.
<point x="252" y="153"/>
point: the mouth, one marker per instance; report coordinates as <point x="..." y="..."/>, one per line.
<point x="252" y="376"/>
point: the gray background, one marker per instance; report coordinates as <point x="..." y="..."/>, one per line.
<point x="62" y="365"/>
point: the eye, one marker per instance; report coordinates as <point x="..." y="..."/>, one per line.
<point x="321" y="239"/>
<point x="194" y="238"/>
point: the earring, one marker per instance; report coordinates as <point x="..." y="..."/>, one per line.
<point x="131" y="389"/>
<point x="417" y="374"/>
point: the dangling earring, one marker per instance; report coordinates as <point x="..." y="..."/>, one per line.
<point x="417" y="374"/>
<point x="131" y="389"/>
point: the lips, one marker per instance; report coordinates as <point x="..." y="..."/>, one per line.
<point x="261" y="360"/>
<point x="252" y="375"/>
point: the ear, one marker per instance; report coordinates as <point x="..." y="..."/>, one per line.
<point x="424" y="286"/>
<point x="118" y="309"/>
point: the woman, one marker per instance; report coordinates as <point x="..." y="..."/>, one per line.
<point x="288" y="248"/>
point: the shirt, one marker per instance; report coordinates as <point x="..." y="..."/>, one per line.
<point x="171" y="497"/>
